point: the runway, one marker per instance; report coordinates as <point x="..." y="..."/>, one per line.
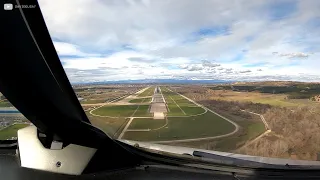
<point x="158" y="104"/>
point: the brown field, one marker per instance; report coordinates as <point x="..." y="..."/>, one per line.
<point x="90" y="97"/>
<point x="257" y="97"/>
<point x="96" y="94"/>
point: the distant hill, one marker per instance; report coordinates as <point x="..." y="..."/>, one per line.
<point x="273" y="83"/>
<point x="193" y="81"/>
<point x="162" y="81"/>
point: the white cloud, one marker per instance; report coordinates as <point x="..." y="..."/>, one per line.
<point x="170" y="38"/>
<point x="195" y="68"/>
<point x="67" y="49"/>
<point x="116" y="61"/>
<point x="245" y="71"/>
<point x="206" y="63"/>
<point x="294" y="55"/>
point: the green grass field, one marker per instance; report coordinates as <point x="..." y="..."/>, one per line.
<point x="249" y="130"/>
<point x="123" y="111"/>
<point x="111" y="126"/>
<point x="174" y="110"/>
<point x="173" y="100"/>
<point x="205" y="125"/>
<point x="146" y="123"/>
<point x="147" y="92"/>
<point x="143" y="111"/>
<point x="140" y="100"/>
<point x="181" y="100"/>
<point x="192" y="110"/>
<point x="11" y="131"/>
<point x="116" y="111"/>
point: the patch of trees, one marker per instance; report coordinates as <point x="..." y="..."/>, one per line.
<point x="235" y="107"/>
<point x="221" y="88"/>
<point x="301" y="95"/>
<point x="192" y="89"/>
<point x="297" y="133"/>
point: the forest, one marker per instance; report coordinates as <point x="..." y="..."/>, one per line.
<point x="295" y="134"/>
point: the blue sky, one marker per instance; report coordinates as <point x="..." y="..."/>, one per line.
<point x="208" y="39"/>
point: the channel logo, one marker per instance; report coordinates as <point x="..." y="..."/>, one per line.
<point x="8" y="6"/>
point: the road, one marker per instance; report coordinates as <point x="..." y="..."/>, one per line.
<point x="125" y="128"/>
<point x="262" y="119"/>
<point x="255" y="139"/>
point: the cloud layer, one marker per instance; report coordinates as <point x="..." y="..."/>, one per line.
<point x="208" y="39"/>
